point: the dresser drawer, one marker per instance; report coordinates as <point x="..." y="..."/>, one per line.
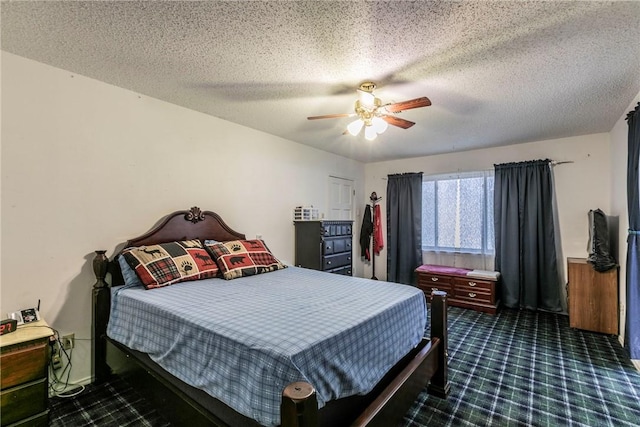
<point x="427" y="288"/>
<point x="23" y="364"/>
<point x="345" y="271"/>
<point x="336" y="229"/>
<point x="473" y="294"/>
<point x="469" y="282"/>
<point x="327" y="247"/>
<point x="434" y="280"/>
<point x="23" y="401"/>
<point x="335" y="246"/>
<point x="342" y="245"/>
<point x="335" y="261"/>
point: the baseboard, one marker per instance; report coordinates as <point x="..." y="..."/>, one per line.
<point x="636" y="363"/>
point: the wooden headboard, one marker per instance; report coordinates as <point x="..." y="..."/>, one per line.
<point x="180" y="225"/>
<point x="188" y="225"/>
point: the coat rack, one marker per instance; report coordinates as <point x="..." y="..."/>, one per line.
<point x="374" y="199"/>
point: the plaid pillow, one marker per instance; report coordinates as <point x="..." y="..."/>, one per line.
<point x="167" y="263"/>
<point x="240" y="258"/>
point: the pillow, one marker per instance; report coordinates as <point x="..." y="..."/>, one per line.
<point x="239" y="258"/>
<point x="130" y="277"/>
<point x="168" y="263"/>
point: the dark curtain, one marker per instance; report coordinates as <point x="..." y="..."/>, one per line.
<point x="404" y="227"/>
<point x="525" y="236"/>
<point x="632" y="329"/>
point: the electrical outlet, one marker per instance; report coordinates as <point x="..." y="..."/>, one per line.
<point x="68" y="341"/>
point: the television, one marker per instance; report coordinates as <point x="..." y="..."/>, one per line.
<point x="600" y="242"/>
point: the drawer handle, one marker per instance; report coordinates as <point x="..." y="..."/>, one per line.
<point x="472" y="283"/>
<point x="328" y="262"/>
<point x="435" y="279"/>
<point x="348" y="258"/>
<point x="472" y="295"/>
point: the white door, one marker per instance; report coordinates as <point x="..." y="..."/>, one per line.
<point x="341" y="195"/>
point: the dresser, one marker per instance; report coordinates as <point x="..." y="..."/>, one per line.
<point x="479" y="294"/>
<point x="325" y="245"/>
<point x="24" y="356"/>
<point x="593" y="297"/>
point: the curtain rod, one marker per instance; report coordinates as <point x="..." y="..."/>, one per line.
<point x="552" y="162"/>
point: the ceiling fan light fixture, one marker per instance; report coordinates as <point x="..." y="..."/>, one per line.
<point x="367" y="99"/>
<point x="379" y="125"/>
<point x="355" y="127"/>
<point x="370" y="133"/>
<point x="373" y="115"/>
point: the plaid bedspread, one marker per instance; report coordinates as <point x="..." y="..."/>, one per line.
<point x="244" y="340"/>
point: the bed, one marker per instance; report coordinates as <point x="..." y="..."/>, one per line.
<point x="333" y="358"/>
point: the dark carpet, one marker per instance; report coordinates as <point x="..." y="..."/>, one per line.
<point x="518" y="368"/>
<point x="523" y="368"/>
<point x="114" y="403"/>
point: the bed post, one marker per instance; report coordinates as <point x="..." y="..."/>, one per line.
<point x="100" y="315"/>
<point x="439" y="385"/>
<point x="299" y="407"/>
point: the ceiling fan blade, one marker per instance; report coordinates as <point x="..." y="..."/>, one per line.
<point x="407" y="105"/>
<point x="331" y="116"/>
<point x="397" y="121"/>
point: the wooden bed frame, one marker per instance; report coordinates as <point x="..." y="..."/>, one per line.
<point x="182" y="404"/>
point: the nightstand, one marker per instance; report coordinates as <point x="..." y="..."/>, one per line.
<point x="24" y="355"/>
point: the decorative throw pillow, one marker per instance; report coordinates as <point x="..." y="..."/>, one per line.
<point x="168" y="263"/>
<point x="240" y="258"/>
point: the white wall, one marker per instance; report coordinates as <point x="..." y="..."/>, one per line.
<point x="580" y="186"/>
<point x="87" y="165"/>
<point x="619" y="141"/>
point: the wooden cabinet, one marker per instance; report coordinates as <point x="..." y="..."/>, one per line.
<point x="23" y="370"/>
<point x="325" y="246"/>
<point x="593" y="297"/>
<point x="462" y="290"/>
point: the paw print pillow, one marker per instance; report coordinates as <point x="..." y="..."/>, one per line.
<point x="239" y="258"/>
<point x="168" y="263"/>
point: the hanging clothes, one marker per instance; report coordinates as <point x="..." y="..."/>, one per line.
<point x="365" y="233"/>
<point x="378" y="242"/>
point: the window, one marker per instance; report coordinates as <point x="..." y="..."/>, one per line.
<point x="457" y="213"/>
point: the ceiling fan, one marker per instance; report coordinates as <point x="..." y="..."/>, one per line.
<point x="374" y="116"/>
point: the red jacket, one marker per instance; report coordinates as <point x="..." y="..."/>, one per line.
<point x="378" y="241"/>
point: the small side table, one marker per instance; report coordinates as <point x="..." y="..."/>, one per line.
<point x="24" y="356"/>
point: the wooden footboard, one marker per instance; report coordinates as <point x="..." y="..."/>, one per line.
<point x="395" y="394"/>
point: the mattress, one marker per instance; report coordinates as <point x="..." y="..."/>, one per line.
<point x="243" y="340"/>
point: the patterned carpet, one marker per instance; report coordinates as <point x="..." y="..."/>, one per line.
<point x="518" y="368"/>
<point x="522" y="368"/>
<point x="114" y="403"/>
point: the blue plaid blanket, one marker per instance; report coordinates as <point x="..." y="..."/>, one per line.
<point x="244" y="340"/>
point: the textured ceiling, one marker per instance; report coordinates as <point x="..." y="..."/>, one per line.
<point x="497" y="72"/>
